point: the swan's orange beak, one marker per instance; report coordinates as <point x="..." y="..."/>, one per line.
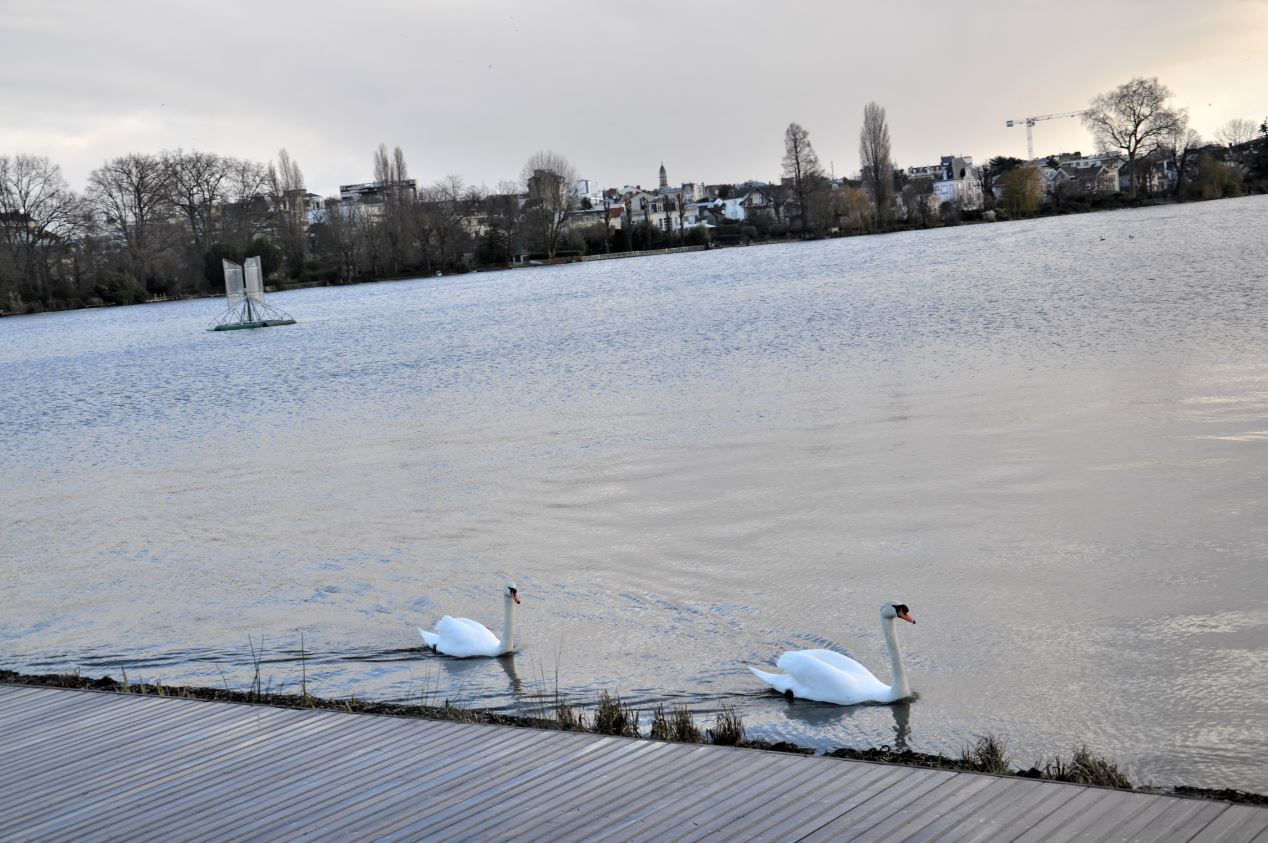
<point x="515" y="595"/>
<point x="906" y="617"/>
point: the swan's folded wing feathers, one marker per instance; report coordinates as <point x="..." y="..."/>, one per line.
<point x="463" y="637"/>
<point x="839" y="661"/>
<point x="815" y="679"/>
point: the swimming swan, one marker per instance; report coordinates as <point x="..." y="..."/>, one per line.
<point x="463" y="637"/>
<point x="833" y="678"/>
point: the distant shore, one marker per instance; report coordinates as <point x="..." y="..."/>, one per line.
<point x="278" y="287"/>
<point x="299" y="285"/>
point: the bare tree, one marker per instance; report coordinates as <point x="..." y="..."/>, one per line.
<point x="1133" y="118"/>
<point x="287" y="184"/>
<point x="1236" y="132"/>
<point x="502" y="210"/>
<point x="874" y="155"/>
<point x="247" y="212"/>
<point x="548" y="176"/>
<point x="392" y="175"/>
<point x="38" y="214"/>
<point x="338" y="235"/>
<point x="446" y="206"/>
<point x="196" y="187"/>
<point x="918" y="202"/>
<point x="1181" y="146"/>
<point x="801" y="165"/>
<point x="131" y="194"/>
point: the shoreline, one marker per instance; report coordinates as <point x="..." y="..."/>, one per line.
<point x="614" y="718"/>
<point x="301" y="285"/>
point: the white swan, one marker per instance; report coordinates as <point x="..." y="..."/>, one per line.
<point x="833" y="678"/>
<point x="463" y="637"/>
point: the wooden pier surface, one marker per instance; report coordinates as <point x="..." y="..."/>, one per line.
<point x="82" y="765"/>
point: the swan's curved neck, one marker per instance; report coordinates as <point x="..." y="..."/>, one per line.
<point x="900" y="688"/>
<point x="508" y="624"/>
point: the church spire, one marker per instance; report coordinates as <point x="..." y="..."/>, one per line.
<point x="664" y="179"/>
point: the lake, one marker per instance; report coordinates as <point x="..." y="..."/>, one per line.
<point x="1048" y="438"/>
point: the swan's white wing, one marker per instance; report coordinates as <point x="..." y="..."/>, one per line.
<point x="813" y="678"/>
<point x="840" y="662"/>
<point x="463" y="637"/>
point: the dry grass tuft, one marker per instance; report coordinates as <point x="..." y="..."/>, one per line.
<point x="988" y="755"/>
<point x="569" y="718"/>
<point x="728" y="728"/>
<point x="1086" y="767"/>
<point x="613" y="717"/>
<point x="678" y="725"/>
<point x="682" y="727"/>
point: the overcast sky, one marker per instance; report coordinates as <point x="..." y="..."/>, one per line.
<point x="474" y="87"/>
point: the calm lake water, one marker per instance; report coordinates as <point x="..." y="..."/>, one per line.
<point x="1048" y="438"/>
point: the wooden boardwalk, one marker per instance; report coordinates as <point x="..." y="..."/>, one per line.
<point x="80" y="765"/>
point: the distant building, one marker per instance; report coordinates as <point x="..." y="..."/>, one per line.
<point x="370" y="197"/>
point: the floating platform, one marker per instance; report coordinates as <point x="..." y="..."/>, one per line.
<point x="265" y="323"/>
<point x="244" y="293"/>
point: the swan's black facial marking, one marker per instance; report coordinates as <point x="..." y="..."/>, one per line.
<point x="900" y="608"/>
<point x="514" y="593"/>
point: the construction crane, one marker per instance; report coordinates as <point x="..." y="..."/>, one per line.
<point x="1030" y="125"/>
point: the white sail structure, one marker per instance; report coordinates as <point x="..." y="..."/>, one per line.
<point x="244" y="292"/>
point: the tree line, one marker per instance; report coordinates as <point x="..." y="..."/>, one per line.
<point x="159" y="225"/>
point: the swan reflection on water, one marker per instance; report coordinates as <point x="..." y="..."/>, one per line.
<point x="507" y="663"/>
<point x="821" y="716"/>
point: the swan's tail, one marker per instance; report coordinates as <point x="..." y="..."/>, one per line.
<point x="431" y="638"/>
<point x="779" y="681"/>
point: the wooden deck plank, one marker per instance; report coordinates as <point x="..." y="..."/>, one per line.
<point x="549" y="781"/>
<point x="54" y="726"/>
<point x="1093" y="801"/>
<point x="273" y="777"/>
<point x="1182" y="820"/>
<point x="449" y="783"/>
<point x="948" y="821"/>
<point x="1129" y="827"/>
<point x="915" y="816"/>
<point x="540" y="817"/>
<point x="657" y="787"/>
<point x="672" y="791"/>
<point x="676" y="805"/>
<point x="528" y="771"/>
<point x="112" y="736"/>
<point x="859" y="818"/>
<point x="1237" y="822"/>
<point x="148" y="795"/>
<point x="494" y="808"/>
<point x="1013" y="813"/>
<point x="242" y="775"/>
<point x="1107" y="817"/>
<point x="828" y="799"/>
<point x="174" y="773"/>
<point x="416" y="766"/>
<point x="88" y="768"/>
<point x="411" y="789"/>
<point x="90" y="765"/>
<point x="26" y="706"/>
<point x="732" y="810"/>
